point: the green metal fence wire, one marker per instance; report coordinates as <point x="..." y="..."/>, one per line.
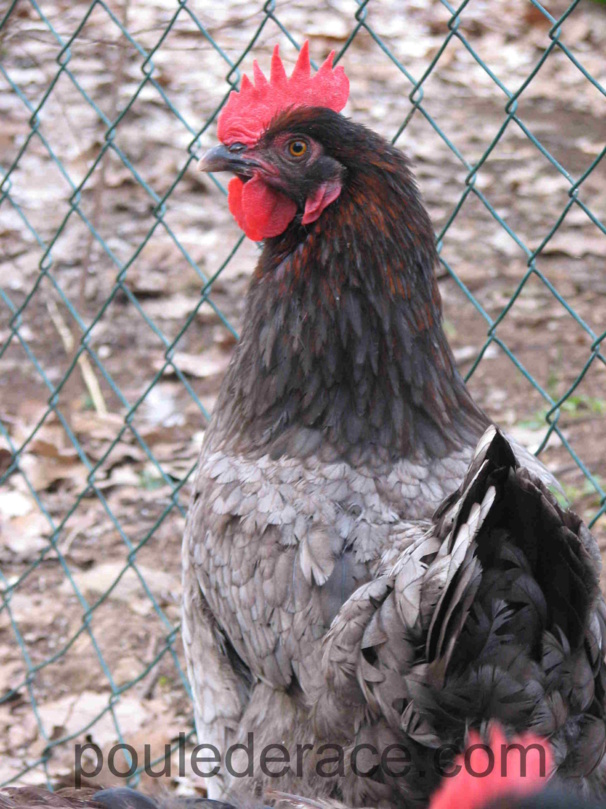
<point x="267" y="14"/>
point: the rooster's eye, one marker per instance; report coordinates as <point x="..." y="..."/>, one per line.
<point x="297" y="148"/>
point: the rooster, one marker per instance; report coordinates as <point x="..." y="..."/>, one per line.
<point x="341" y="425"/>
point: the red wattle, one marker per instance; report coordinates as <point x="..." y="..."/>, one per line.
<point x="261" y="211"/>
<point x="234" y="199"/>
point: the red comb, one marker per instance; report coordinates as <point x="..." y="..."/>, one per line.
<point x="248" y="113"/>
<point x="477" y="783"/>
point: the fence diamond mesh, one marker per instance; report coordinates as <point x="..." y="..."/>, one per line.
<point x="122" y="279"/>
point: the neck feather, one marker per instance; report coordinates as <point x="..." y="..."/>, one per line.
<point x="342" y="345"/>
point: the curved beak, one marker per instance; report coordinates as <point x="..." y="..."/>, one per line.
<point x="221" y="159"/>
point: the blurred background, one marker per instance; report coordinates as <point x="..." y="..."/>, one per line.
<point x="123" y="275"/>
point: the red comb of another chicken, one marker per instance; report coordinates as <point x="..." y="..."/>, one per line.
<point x="518" y="767"/>
<point x="248" y="113"/>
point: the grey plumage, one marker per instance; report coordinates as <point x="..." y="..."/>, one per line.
<point x="489" y="611"/>
<point x="494" y="614"/>
<point x="268" y="562"/>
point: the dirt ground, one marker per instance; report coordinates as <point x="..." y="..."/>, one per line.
<point x="120" y="242"/>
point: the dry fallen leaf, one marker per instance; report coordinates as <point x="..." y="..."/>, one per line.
<point x="174" y="307"/>
<point x="43" y="475"/>
<point x="576" y="244"/>
<point x="6" y="458"/>
<point x="46" y="448"/>
<point x="205" y="365"/>
<point x="15" y="504"/>
<point x="96" y="581"/>
<point x="25" y="535"/>
<point x="101" y="427"/>
<point x="69" y="714"/>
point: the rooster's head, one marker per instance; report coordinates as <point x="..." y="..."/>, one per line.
<point x="271" y="142"/>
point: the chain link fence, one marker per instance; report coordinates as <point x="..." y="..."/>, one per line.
<point x="119" y="295"/>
